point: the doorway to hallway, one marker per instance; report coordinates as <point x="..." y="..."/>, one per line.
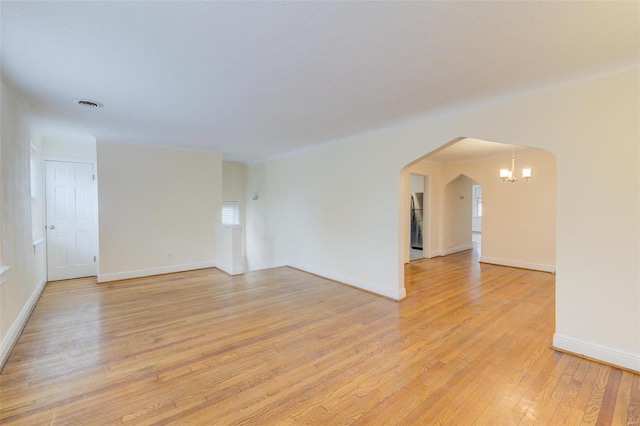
<point x="418" y="210"/>
<point x="476" y="217"/>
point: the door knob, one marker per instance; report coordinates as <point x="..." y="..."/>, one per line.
<point x="52" y="227"/>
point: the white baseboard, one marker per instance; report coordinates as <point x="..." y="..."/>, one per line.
<point x="457" y="249"/>
<point x="115" y="276"/>
<point x="518" y="264"/>
<point x="15" y="330"/>
<point x="597" y="352"/>
<point x="229" y="269"/>
<point x="395" y="294"/>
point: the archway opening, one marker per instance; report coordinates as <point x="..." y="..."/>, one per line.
<point x="458" y="207"/>
<point x="518" y="217"/>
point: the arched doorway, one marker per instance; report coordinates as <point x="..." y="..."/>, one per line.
<point x="458" y="207"/>
<point x="518" y="216"/>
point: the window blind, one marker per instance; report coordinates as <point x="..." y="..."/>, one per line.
<point x="230" y="213"/>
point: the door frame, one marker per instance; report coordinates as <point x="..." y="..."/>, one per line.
<point x="426" y="214"/>
<point x="94" y="188"/>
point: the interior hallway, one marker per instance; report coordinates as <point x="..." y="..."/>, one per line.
<point x="469" y="344"/>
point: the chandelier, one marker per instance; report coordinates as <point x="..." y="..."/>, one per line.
<point x="509" y="175"/>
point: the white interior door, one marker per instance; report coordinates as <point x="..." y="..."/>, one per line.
<point x="71" y="220"/>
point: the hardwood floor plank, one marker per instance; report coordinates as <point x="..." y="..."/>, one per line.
<point x="621" y="405"/>
<point x="577" y="411"/>
<point x="596" y="398"/>
<point x="605" y="414"/>
<point x="633" y="418"/>
<point x="469" y="345"/>
<point x="573" y="389"/>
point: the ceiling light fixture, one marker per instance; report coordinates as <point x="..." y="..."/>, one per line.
<point x="88" y="103"/>
<point x="509" y="175"/>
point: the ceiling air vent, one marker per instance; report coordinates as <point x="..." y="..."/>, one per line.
<point x="87" y="103"/>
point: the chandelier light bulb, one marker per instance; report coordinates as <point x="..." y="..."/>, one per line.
<point x="509" y="175"/>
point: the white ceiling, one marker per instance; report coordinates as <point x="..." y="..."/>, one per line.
<point x="257" y="79"/>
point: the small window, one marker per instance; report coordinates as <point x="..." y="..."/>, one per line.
<point x="230" y="213"/>
<point x="479" y="206"/>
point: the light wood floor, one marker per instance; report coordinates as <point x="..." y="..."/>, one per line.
<point x="470" y="345"/>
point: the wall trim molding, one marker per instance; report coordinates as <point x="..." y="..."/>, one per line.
<point x="229" y="269"/>
<point x="395" y="294"/>
<point x="18" y="325"/>
<point x="597" y="352"/>
<point x="70" y="160"/>
<point x="457" y="249"/>
<point x="519" y="264"/>
<point x="125" y="275"/>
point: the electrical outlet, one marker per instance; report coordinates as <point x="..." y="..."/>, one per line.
<point x="169" y="256"/>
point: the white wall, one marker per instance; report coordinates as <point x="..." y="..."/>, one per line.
<point x="343" y="201"/>
<point x="83" y="148"/>
<point x="36" y="180"/>
<point x="519" y="219"/>
<point x="417" y="183"/>
<point x="157" y="209"/>
<point x="26" y="275"/>
<point x="234" y="185"/>
<point x="312" y="205"/>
